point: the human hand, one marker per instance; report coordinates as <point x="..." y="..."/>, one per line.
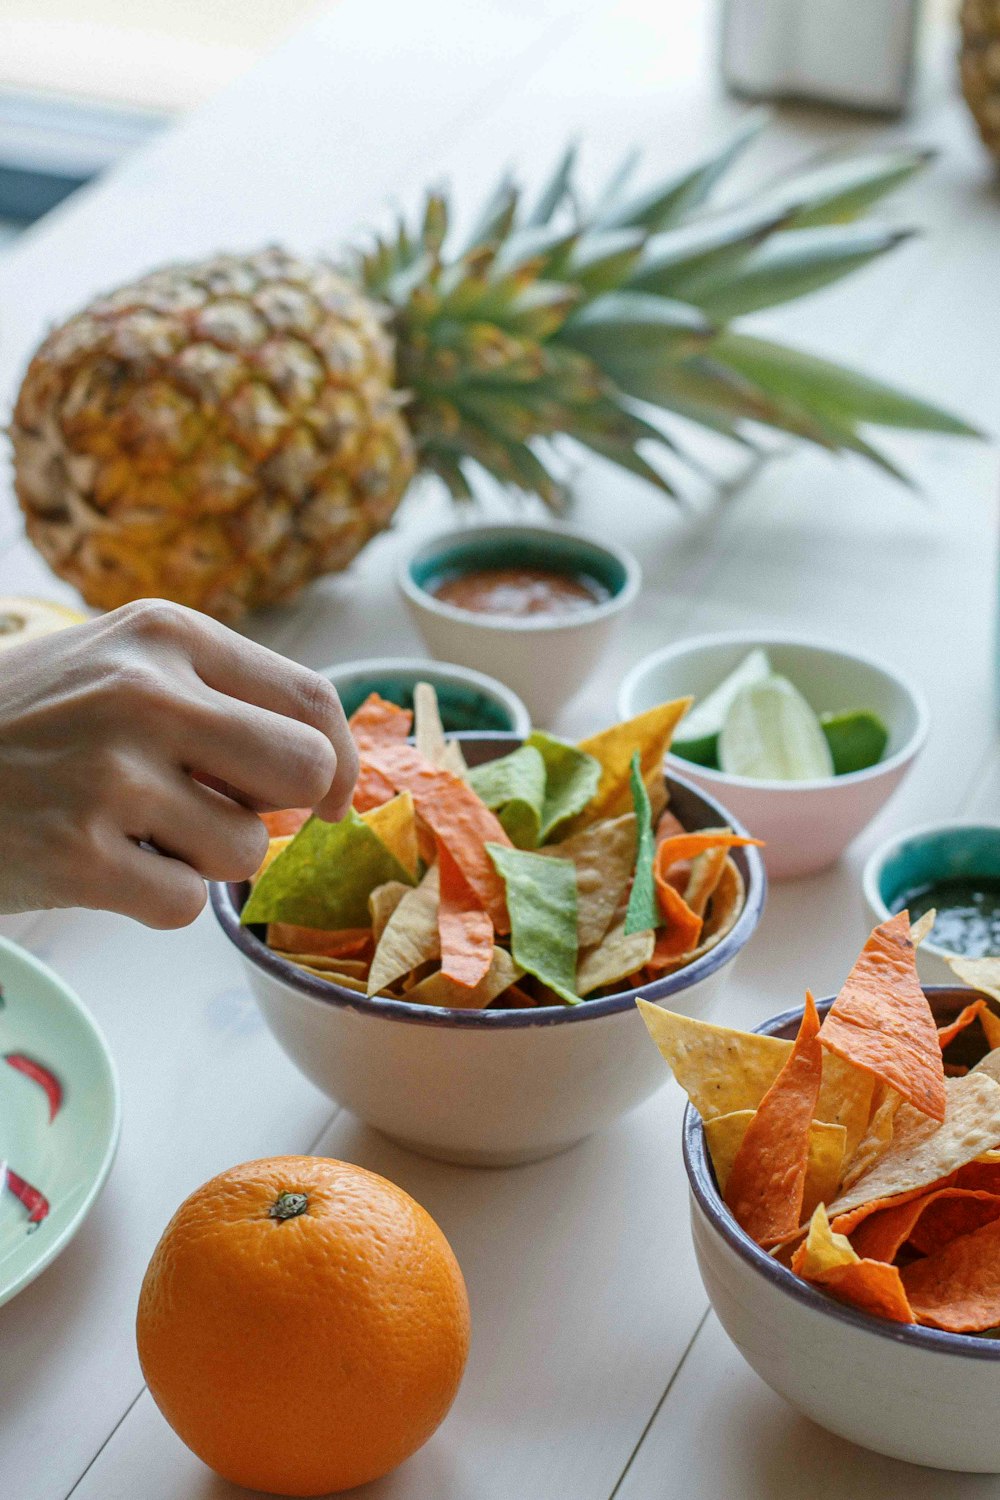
<point x="134" y="750"/>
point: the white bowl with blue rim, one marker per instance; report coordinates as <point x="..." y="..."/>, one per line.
<point x="910" y="862"/>
<point x="487" y="1087"/>
<point x="468" y="701"/>
<point x="805" y="825"/>
<point x="545" y="658"/>
<point x="913" y="1393"/>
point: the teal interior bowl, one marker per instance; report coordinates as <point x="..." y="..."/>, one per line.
<point x="467" y="700"/>
<point x="923" y="856"/>
<point x="516" y="547"/>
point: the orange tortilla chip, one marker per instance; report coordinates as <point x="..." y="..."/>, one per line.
<point x="964" y="1018"/>
<point x="682" y="926"/>
<point x="767" y="1182"/>
<point x="951" y="1213"/>
<point x="377" y="722"/>
<point x="881" y="1020"/>
<point x="286" y="821"/>
<point x="958" y="1288"/>
<point x="465" y="928"/>
<point x="458" y="819"/>
<point x="828" y="1260"/>
<point x="349" y="942"/>
<point x="690" y="845"/>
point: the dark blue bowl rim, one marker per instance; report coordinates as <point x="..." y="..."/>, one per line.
<point x="224" y="904"/>
<point x="701" y="1179"/>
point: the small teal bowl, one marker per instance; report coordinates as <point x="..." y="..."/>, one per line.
<point x="922" y="856"/>
<point x="545" y="658"/>
<point x="468" y="700"/>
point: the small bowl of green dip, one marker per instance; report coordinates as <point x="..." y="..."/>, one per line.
<point x="953" y="868"/>
<point x="468" y="700"/>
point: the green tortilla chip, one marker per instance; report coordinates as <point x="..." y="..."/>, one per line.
<point x="541" y="899"/>
<point x="324" y="877"/>
<point x="514" y="788"/>
<point x="571" y="779"/>
<point x="643" y="913"/>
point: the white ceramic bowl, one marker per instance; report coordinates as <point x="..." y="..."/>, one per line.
<point x="806" y="825"/>
<point x="913" y="1393"/>
<point x="544" y="658"/>
<point x="920" y="856"/>
<point x="487" y="1088"/>
<point x="468" y="700"/>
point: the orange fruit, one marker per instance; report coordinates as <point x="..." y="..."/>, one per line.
<point x="303" y="1325"/>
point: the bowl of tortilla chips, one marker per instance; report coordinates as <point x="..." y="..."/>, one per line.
<point x="456" y="961"/>
<point x="844" y="1166"/>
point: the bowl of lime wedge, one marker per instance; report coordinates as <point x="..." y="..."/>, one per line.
<point x="804" y="741"/>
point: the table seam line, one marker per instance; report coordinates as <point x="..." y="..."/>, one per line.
<point x="659" y="1405"/>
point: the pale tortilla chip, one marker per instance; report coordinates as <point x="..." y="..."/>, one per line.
<point x="604" y="855"/>
<point x="725" y="1133"/>
<point x="990" y="1065"/>
<point x="395" y="823"/>
<point x="981" y="973"/>
<point x="923" y="1151"/>
<point x="317" y="963"/>
<point x="921" y="928"/>
<point x="382" y="902"/>
<point x="410" y="936"/>
<point x="723" y="910"/>
<point x="428" y="732"/>
<point x="706" y="872"/>
<point x="438" y="989"/>
<point x="615" y="957"/>
<point x="348" y="981"/>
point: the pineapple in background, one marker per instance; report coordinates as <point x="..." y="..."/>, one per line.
<point x="221" y="433"/>
<point x="980" y="64"/>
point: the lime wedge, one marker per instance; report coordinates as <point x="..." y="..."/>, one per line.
<point x="857" y="738"/>
<point x="772" y="734"/>
<point x="697" y="738"/>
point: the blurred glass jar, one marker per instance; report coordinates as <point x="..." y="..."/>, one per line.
<point x="856" y="53"/>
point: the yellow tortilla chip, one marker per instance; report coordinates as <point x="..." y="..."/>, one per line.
<point x="395" y="823"/>
<point x="318" y="963"/>
<point x="650" y="733"/>
<point x="604" y="856"/>
<point x="410" y="936"/>
<point x="438" y="989"/>
<point x="722" y="1070"/>
<point x="616" y="956"/>
<point x="725" y="1133"/>
<point x="922" y="1151"/>
<point x="823" y="1250"/>
<point x="382" y="903"/>
<point x="877" y="1138"/>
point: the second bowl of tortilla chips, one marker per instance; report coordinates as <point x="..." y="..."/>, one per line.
<point x="845" y="1204"/>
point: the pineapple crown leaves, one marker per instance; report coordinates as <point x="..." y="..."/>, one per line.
<point x="561" y="318"/>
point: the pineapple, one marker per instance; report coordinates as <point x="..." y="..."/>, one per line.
<point x="220" y="433"/>
<point x="980" y="63"/>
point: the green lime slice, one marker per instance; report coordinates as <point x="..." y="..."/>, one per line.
<point x="697" y="738"/>
<point x="771" y="734"/>
<point x="857" y="739"/>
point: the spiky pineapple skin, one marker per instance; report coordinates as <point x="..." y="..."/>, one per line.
<point x="980" y="67"/>
<point x="217" y="434"/>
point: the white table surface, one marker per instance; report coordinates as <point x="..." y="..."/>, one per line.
<point x="595" y="1369"/>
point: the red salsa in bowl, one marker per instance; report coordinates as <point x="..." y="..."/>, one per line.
<point x="518" y="591"/>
